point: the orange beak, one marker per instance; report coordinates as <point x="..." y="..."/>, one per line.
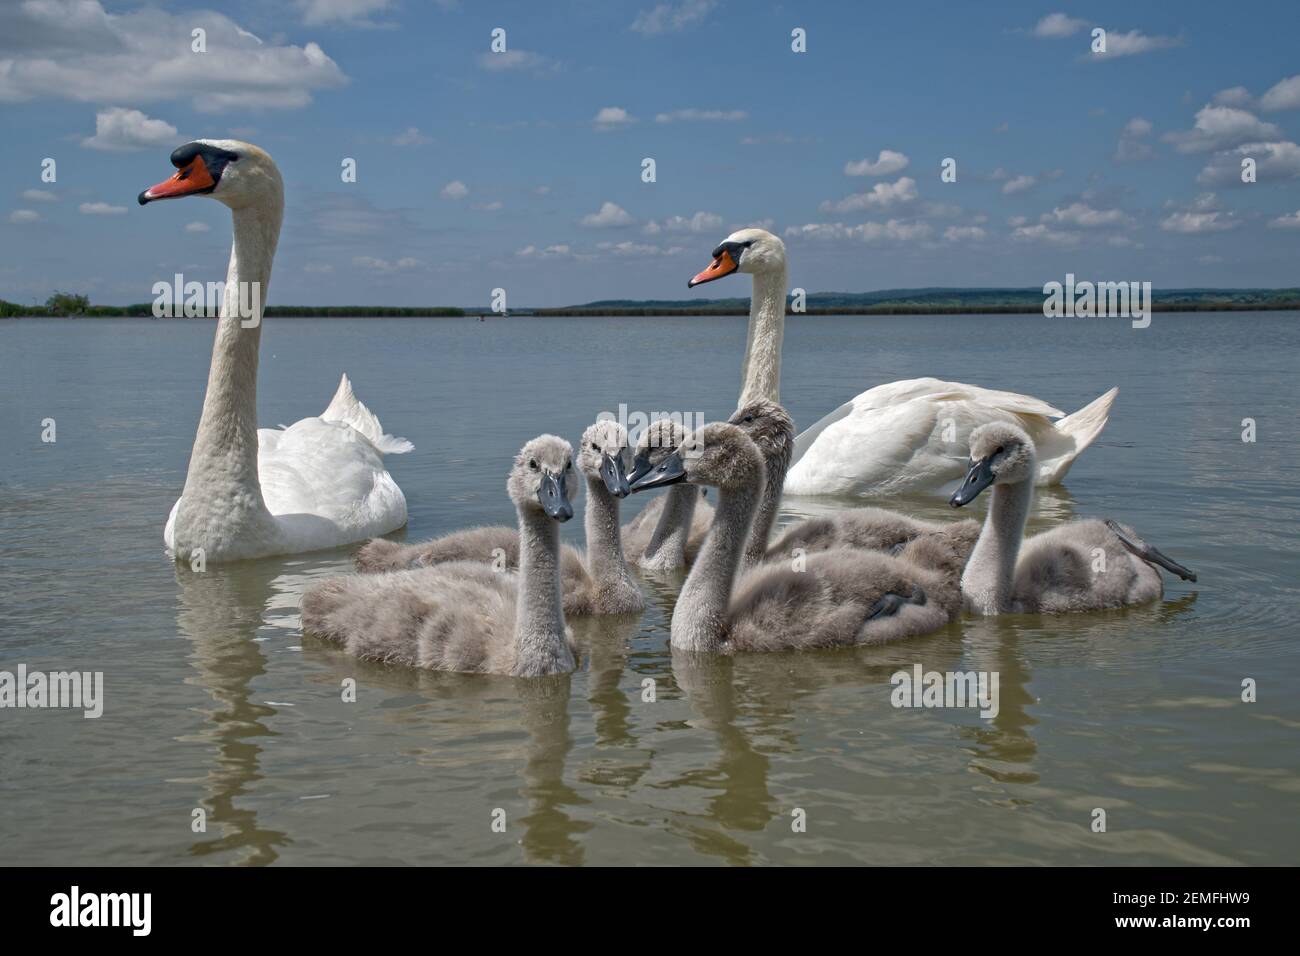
<point x="193" y="178"/>
<point x="723" y="265"/>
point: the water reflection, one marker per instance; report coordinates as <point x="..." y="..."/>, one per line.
<point x="550" y="834"/>
<point x="220" y="612"/>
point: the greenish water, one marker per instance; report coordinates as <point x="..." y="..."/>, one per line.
<point x="215" y="700"/>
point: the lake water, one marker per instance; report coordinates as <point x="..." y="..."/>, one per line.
<point x="215" y="701"/>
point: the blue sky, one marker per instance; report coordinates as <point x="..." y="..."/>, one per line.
<point x="523" y="170"/>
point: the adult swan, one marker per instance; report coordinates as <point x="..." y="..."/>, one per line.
<point x="904" y="435"/>
<point x="252" y="492"/>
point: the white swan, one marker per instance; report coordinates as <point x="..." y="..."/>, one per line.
<point x="251" y="492"/>
<point x="904" y="435"/>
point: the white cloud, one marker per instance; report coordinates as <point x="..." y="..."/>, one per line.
<point x="895" y="230"/>
<point x="1191" y="223"/>
<point x="671" y="17"/>
<point x="1289" y="221"/>
<point x="1132" y="43"/>
<point x="1282" y="96"/>
<point x="24" y="215"/>
<point x="411" y="136"/>
<point x="1221" y="127"/>
<point x="383" y="266"/>
<point x="559" y="251"/>
<point x="1085" y="217"/>
<point x="1273" y="161"/>
<point x="888" y="163"/>
<point x="1042" y="233"/>
<point x="513" y="60"/>
<point x="701" y="116"/>
<point x="76" y="50"/>
<point x="700" y="222"/>
<point x="317" y="268"/>
<point x="1132" y="141"/>
<point x="121" y="130"/>
<point x="612" y="117"/>
<point x="353" y="12"/>
<point x="101" y="209"/>
<point x="1057" y="25"/>
<point x="608" y="216"/>
<point x="454" y="190"/>
<point x="197" y="227"/>
<point x="492" y="206"/>
<point x="880" y="196"/>
<point x="39" y="195"/>
<point x="1019" y="184"/>
<point x="1233" y="96"/>
<point x="964" y="233"/>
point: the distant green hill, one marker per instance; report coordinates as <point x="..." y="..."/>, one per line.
<point x="940" y="300"/>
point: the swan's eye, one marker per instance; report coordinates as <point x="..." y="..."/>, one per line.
<point x="532" y="463"/>
<point x="568" y="466"/>
<point x="747" y="419"/>
<point x="1000" y="450"/>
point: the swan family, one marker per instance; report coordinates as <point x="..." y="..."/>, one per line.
<point x="496" y="599"/>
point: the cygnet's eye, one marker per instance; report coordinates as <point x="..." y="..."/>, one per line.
<point x="1000" y="450"/>
<point x="748" y="419"/>
<point x="532" y="463"/>
<point x="568" y="466"/>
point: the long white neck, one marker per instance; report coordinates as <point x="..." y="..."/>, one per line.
<point x="605" y="542"/>
<point x="222" y="509"/>
<point x="761" y="374"/>
<point x="540" y="643"/>
<point x="699" y="619"/>
<point x="986" y="582"/>
<point x="668" y="541"/>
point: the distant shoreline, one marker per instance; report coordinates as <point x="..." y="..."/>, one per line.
<point x="334" y="312"/>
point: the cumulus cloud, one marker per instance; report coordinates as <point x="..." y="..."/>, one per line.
<point x="895" y="230"/>
<point x="197" y="227"/>
<point x="700" y="222"/>
<point x="1133" y="43"/>
<point x="880" y="196"/>
<point x="886" y="164"/>
<point x="1198" y="222"/>
<point x="1289" y="221"/>
<point x="1233" y="96"/>
<point x="627" y="248"/>
<point x="121" y="130"/>
<point x="454" y="190"/>
<point x="1133" y="143"/>
<point x="964" y="234"/>
<point x="1221" y="127"/>
<point x="608" y="216"/>
<point x="1084" y="216"/>
<point x="1273" y="161"/>
<point x="558" y="251"/>
<point x="612" y="117"/>
<point x="1044" y="233"/>
<point x="1019" y="184"/>
<point x="1057" y="25"/>
<point x="1283" y="96"/>
<point x="77" y="50"/>
<point x="671" y="17"/>
<point x="383" y="266"/>
<point x="24" y="215"/>
<point x="100" y="209"/>
<point x="701" y="116"/>
<point x="347" y="12"/>
<point x="39" y="195"/>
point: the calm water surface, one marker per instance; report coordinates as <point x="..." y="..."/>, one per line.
<point x="215" y="700"/>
